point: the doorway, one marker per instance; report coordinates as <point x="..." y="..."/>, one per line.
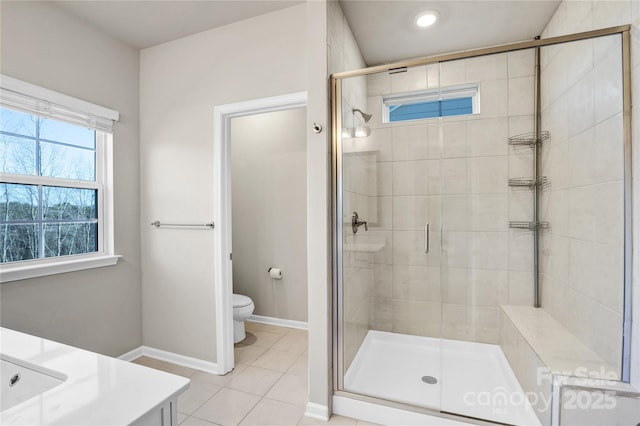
<point x="223" y="213"/>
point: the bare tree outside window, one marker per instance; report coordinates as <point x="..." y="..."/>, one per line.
<point x="38" y="221"/>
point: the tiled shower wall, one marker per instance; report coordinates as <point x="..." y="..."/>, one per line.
<point x="582" y="260"/>
<point x="453" y="173"/>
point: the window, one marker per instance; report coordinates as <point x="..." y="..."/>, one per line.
<point x="55" y="186"/>
<point x="445" y="102"/>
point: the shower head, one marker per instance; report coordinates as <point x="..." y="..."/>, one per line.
<point x="364" y="115"/>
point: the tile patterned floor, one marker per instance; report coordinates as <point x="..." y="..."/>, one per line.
<point x="268" y="385"/>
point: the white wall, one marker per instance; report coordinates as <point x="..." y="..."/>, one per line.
<point x="269" y="186"/>
<point x="97" y="309"/>
<point x="180" y="83"/>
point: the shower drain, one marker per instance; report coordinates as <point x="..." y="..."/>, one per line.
<point x="430" y="380"/>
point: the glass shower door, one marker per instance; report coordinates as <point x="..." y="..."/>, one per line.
<point x="390" y="178"/>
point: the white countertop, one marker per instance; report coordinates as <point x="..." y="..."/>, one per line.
<point x="99" y="390"/>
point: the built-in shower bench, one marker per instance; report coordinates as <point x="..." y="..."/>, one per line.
<point x="558" y="349"/>
<point x="539" y="347"/>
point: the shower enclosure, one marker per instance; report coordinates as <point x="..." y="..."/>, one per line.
<point x="482" y="228"/>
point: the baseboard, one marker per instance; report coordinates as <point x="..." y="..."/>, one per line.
<point x="185" y="361"/>
<point x="279" y="322"/>
<point x="317" y="411"/>
<point x="131" y="355"/>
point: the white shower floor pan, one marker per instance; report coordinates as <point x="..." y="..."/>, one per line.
<point x="473" y="379"/>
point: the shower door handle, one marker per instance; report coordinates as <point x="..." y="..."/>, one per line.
<point x="426" y="237"/>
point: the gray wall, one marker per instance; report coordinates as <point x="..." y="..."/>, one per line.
<point x="269" y="185"/>
<point x="97" y="309"/>
<point x="180" y="86"/>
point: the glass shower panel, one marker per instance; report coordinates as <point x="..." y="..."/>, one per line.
<point x="582" y="251"/>
<point x="485" y="264"/>
<point x="391" y="279"/>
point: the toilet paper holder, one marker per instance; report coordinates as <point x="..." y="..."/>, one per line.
<point x="275" y="273"/>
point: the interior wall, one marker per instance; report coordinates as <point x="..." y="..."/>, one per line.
<point x="97" y="309"/>
<point x="319" y="236"/>
<point x="269" y="186"/>
<point x="180" y="83"/>
<point x="582" y="260"/>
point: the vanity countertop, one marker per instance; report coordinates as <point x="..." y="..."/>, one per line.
<point x="98" y="390"/>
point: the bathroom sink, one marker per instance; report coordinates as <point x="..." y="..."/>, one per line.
<point x="22" y="381"/>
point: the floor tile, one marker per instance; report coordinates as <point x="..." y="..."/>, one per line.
<point x="215" y="379"/>
<point x="334" y="420"/>
<point x="165" y="366"/>
<point x="247" y="354"/>
<point x="227" y="407"/>
<point x="294" y="342"/>
<point x="255" y="380"/>
<point x="275" y="360"/>
<point x="193" y="421"/>
<point x="276" y="413"/>
<point x="290" y="388"/>
<point x="250" y="325"/>
<point x="300" y="367"/>
<point x="263" y="339"/>
<point x="195" y="396"/>
<point x="181" y="417"/>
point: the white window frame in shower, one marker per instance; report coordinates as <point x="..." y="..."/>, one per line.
<point x="222" y="241"/>
<point x="471" y="90"/>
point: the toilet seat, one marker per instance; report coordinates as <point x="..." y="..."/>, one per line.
<point x="240" y="301"/>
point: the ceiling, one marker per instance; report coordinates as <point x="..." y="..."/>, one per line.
<point x="384" y="29"/>
<point x="145" y="23"/>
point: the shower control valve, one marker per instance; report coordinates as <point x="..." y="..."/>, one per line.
<point x="355" y="223"/>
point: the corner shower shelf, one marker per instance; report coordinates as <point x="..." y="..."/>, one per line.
<point x="529" y="139"/>
<point x="531" y="226"/>
<point x="541" y="181"/>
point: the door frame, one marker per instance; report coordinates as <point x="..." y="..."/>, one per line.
<point x="222" y="239"/>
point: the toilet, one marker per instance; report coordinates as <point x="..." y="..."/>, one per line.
<point x="242" y="309"/>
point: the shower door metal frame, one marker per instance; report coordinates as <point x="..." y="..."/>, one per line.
<point x="336" y="145"/>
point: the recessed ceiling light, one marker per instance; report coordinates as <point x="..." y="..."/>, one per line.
<point x="426" y="18"/>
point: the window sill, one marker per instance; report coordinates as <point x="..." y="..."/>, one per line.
<point x="26" y="270"/>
